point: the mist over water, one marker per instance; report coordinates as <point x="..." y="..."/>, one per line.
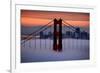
<point x="36" y="51"/>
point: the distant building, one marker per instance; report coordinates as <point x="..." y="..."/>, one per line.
<point x="77" y="33"/>
<point x="69" y="34"/>
<point x="41" y="35"/>
<point x="84" y="35"/>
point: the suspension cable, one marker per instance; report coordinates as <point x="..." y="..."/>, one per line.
<point x="28" y="37"/>
<point x="68" y="27"/>
<point x="38" y="32"/>
<point x="69" y="24"/>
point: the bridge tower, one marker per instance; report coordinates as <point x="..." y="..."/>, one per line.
<point x="57" y="39"/>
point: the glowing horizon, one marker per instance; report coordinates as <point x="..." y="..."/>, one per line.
<point x="39" y="18"/>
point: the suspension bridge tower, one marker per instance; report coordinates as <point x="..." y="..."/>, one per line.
<point x="57" y="39"/>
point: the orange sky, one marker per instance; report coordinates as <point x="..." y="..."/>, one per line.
<point x="33" y="18"/>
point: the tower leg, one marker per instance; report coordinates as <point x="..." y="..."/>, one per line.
<point x="55" y="37"/>
<point x="60" y="35"/>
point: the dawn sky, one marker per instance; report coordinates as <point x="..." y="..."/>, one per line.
<point x="36" y="18"/>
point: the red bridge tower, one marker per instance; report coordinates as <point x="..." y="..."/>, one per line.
<point x="57" y="39"/>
